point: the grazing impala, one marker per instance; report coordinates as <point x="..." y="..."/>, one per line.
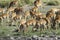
<point x="19" y="10"/>
<point x="12" y="15"/>
<point x="22" y="25"/>
<point x="31" y="22"/>
<point x="51" y="16"/>
<point x="41" y="24"/>
<point x="4" y="16"/>
<point x="11" y="9"/>
<point x="3" y="10"/>
<point x="33" y="11"/>
<point x="53" y="10"/>
<point x="26" y="24"/>
<point x="32" y="14"/>
<point x="27" y="14"/>
<point x="49" y="22"/>
<point x="23" y="28"/>
<point x="22" y="21"/>
<point x="40" y="16"/>
<point x="57" y="22"/>
<point x="17" y="17"/>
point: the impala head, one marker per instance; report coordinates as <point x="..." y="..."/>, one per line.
<point x="13" y="3"/>
<point x="38" y="3"/>
<point x="54" y="10"/>
<point x="18" y="10"/>
<point x="34" y="9"/>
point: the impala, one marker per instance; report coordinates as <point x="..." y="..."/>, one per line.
<point x="38" y="3"/>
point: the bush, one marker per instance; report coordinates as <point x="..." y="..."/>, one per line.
<point x="4" y="4"/>
<point x="21" y="2"/>
<point x="24" y="2"/>
<point x="29" y="2"/>
<point x="53" y="3"/>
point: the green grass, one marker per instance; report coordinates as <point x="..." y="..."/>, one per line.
<point x="5" y="30"/>
<point x="53" y="3"/>
<point x="9" y="30"/>
<point x="5" y="3"/>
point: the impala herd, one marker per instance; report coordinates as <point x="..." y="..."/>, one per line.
<point x="31" y="17"/>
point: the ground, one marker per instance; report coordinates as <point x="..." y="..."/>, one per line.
<point x="8" y="30"/>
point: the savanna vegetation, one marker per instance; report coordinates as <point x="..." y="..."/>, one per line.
<point x="9" y="26"/>
<point x="5" y="3"/>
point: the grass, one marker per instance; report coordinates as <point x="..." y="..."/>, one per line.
<point x="5" y="3"/>
<point x="8" y="30"/>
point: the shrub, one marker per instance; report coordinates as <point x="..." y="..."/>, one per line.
<point x="29" y="2"/>
<point x="4" y="4"/>
<point x="53" y="3"/>
<point x="24" y="2"/>
<point x="21" y="2"/>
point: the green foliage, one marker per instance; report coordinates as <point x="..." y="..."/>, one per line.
<point x="29" y="2"/>
<point x="4" y="3"/>
<point x="53" y="3"/>
<point x="21" y="2"/>
<point x="4" y="30"/>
